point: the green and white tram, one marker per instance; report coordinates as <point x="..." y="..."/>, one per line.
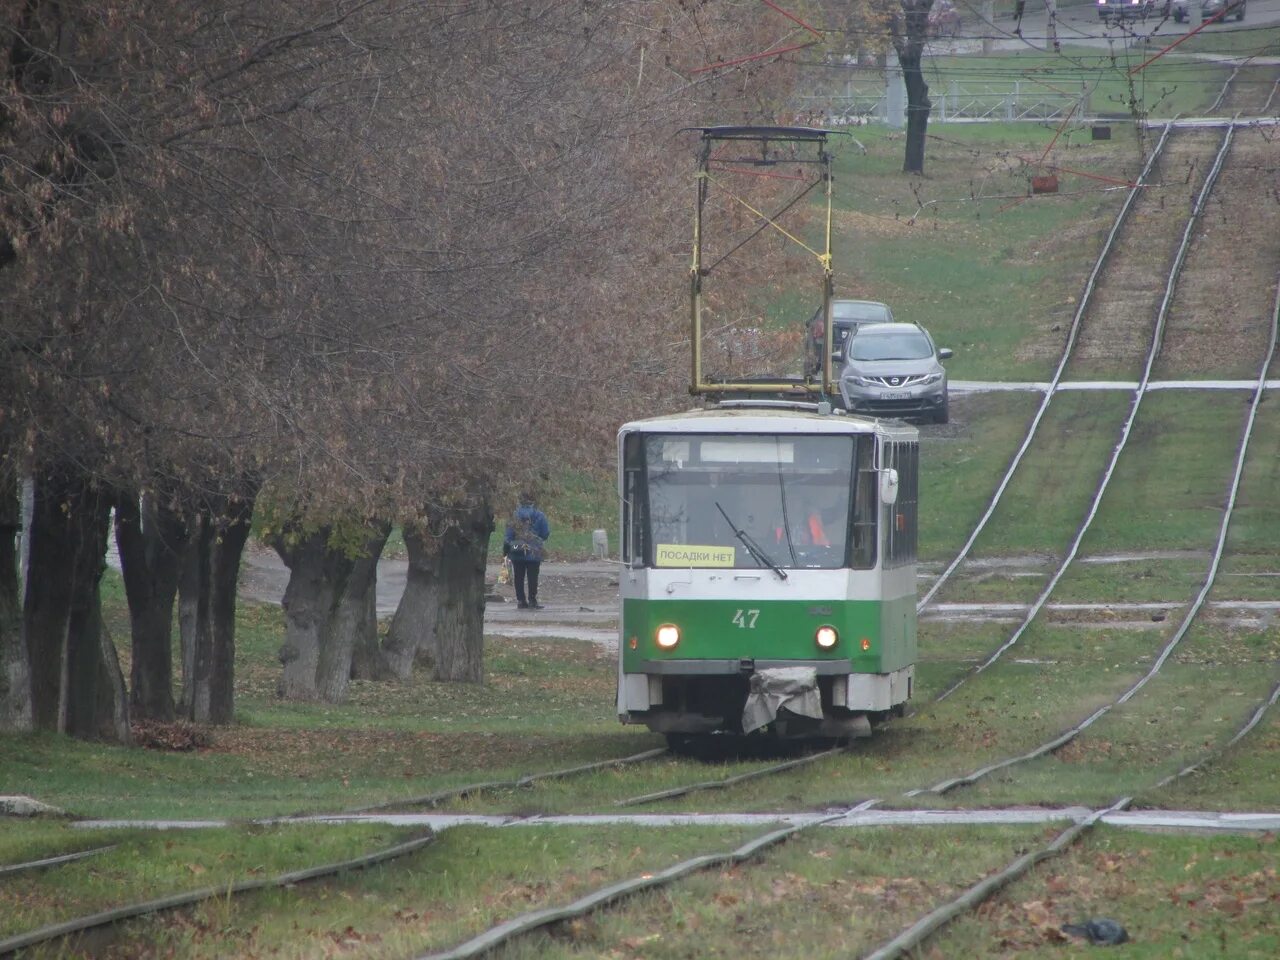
<point x="769" y="576"/>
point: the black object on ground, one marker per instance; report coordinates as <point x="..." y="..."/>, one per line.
<point x="1100" y="931"/>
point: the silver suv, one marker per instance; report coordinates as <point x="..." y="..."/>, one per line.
<point x="894" y="370"/>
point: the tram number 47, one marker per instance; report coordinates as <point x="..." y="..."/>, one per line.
<point x="746" y="619"/>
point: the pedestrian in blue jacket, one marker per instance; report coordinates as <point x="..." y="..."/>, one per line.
<point x="527" y="531"/>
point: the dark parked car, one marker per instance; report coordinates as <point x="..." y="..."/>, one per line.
<point x="894" y="370"/>
<point x="845" y="316"/>
<point x="1234" y="9"/>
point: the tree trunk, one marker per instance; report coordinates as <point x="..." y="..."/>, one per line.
<point x="189" y="613"/>
<point x="910" y="33"/>
<point x="94" y="687"/>
<point x="152" y="542"/>
<point x="414" y="623"/>
<point x="459" y="628"/>
<point x="233" y="529"/>
<point x="348" y="619"/>
<point x="316" y="574"/>
<point x="918" y="107"/>
<point x="47" y="604"/>
<point x="366" y="659"/>
<point x="15" y="670"/>
<point x="76" y="687"/>
<point x="197" y="640"/>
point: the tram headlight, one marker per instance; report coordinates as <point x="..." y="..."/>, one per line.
<point x="668" y="636"/>
<point x="826" y="637"/>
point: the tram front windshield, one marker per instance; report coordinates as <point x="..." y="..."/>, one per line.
<point x="750" y="501"/>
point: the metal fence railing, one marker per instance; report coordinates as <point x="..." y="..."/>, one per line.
<point x="869" y="96"/>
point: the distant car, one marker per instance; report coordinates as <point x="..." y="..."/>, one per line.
<point x="944" y="19"/>
<point x="1209" y="9"/>
<point x="1116" y="11"/>
<point x="845" y="316"/>
<point x="894" y="370"/>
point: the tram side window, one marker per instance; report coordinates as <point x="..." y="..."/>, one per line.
<point x="900" y="545"/>
<point x="634" y="523"/>
<point x="865" y="494"/>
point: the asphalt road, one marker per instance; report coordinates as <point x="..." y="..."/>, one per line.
<point x="1079" y="25"/>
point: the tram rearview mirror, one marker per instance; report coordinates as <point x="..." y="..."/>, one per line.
<point x="888" y="485"/>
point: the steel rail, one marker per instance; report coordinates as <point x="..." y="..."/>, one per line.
<point x="1225" y="87"/>
<point x="931" y="922"/>
<point x="508" y="930"/>
<point x="1254" y="720"/>
<point x="728" y="781"/>
<point x="1073" y="331"/>
<point x="455" y="793"/>
<point x="1157" y="339"/>
<point x="1192" y="611"/>
<point x="914" y="936"/>
<point x="1275" y="87"/>
<point x="527" y="922"/>
<point x="16" y="868"/>
<point x="174" y="901"/>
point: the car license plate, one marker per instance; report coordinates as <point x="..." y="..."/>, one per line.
<point x="895" y="395"/>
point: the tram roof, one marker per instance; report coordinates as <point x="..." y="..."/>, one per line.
<point x="760" y="420"/>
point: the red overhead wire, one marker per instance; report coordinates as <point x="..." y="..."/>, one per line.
<point x="1094" y="176"/>
<point x="792" y="17"/>
<point x="1186" y="36"/>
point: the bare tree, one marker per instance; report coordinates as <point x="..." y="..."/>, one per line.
<point x="372" y="255"/>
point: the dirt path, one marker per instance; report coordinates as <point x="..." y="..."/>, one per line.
<point x="580" y="598"/>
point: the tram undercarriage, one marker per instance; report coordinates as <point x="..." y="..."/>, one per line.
<point x="787" y="702"/>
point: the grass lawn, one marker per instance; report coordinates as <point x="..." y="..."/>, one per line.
<point x="1177" y="897"/>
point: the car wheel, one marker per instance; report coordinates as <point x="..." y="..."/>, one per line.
<point x="1240" y="14"/>
<point x="943" y="413"/>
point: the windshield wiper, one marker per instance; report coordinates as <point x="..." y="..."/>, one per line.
<point x="753" y="548"/>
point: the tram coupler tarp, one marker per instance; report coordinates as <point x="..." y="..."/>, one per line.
<point x="772" y="689"/>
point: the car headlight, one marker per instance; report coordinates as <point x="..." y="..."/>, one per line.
<point x="826" y="637"/>
<point x="668" y="636"/>
<point x="931" y="378"/>
<point x="858" y="381"/>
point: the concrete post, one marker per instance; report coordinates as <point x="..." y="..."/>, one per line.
<point x="895" y="93"/>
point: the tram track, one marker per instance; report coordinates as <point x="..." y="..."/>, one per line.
<point x="1126" y="431"/>
<point x="1085" y="303"/>
<point x="612" y="894"/>
<point x="898" y="946"/>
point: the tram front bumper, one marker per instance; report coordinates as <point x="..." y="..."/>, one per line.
<point x="741" y="667"/>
